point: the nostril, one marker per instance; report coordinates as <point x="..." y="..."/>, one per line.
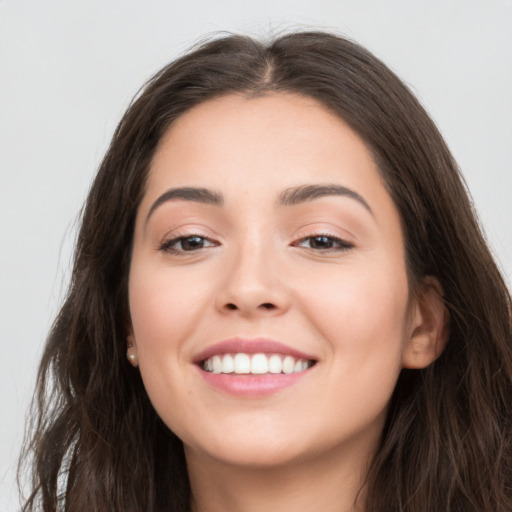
<point x="265" y="305"/>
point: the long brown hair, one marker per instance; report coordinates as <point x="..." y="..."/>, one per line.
<point x="96" y="442"/>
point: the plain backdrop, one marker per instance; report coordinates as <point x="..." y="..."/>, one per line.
<point x="69" y="68"/>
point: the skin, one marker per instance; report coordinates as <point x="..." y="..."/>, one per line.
<point x="258" y="273"/>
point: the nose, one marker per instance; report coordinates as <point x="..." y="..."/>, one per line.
<point x="251" y="285"/>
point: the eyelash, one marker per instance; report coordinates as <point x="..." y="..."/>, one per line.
<point x="337" y="244"/>
<point x="167" y="245"/>
<point x="340" y="245"/>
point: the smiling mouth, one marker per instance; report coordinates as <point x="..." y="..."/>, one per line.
<point x="255" y="364"/>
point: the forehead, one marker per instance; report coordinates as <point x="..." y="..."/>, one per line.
<point x="285" y="139"/>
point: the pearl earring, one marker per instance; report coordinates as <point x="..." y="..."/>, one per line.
<point x="130" y="355"/>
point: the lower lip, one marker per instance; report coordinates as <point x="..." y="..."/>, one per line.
<point x="252" y="386"/>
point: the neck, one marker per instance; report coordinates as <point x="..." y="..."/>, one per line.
<point x="331" y="483"/>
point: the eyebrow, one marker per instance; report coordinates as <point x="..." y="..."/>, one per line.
<point x="290" y="197"/>
<point x="296" y="195"/>
<point x="195" y="194"/>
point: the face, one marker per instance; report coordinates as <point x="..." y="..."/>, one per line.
<point x="268" y="290"/>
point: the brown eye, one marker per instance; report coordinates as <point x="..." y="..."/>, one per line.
<point x="192" y="243"/>
<point x="321" y="242"/>
<point x="187" y="244"/>
<point x="324" y="243"/>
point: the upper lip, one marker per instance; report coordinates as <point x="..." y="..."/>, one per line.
<point x="250" y="346"/>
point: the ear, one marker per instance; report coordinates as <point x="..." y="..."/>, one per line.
<point x="429" y="327"/>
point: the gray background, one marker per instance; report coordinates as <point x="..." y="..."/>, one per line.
<point x="69" y="68"/>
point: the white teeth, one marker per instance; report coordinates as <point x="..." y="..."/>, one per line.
<point x="217" y="364"/>
<point x="275" y="365"/>
<point x="257" y="364"/>
<point x="288" y="364"/>
<point x="228" y="365"/>
<point x="242" y="363"/>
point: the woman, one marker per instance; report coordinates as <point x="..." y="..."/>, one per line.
<point x="281" y="300"/>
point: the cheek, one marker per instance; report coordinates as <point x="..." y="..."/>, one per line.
<point x="363" y="318"/>
<point x="363" y="315"/>
<point x="164" y="308"/>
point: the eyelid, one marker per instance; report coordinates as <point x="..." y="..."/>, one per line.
<point x="324" y="229"/>
<point x="168" y="241"/>
<point x="182" y="229"/>
<point x="342" y="244"/>
<point x="345" y="241"/>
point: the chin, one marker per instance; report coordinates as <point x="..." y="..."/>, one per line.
<point x="253" y="455"/>
<point x="250" y="444"/>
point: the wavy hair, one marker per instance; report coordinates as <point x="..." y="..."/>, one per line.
<point x="97" y="444"/>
